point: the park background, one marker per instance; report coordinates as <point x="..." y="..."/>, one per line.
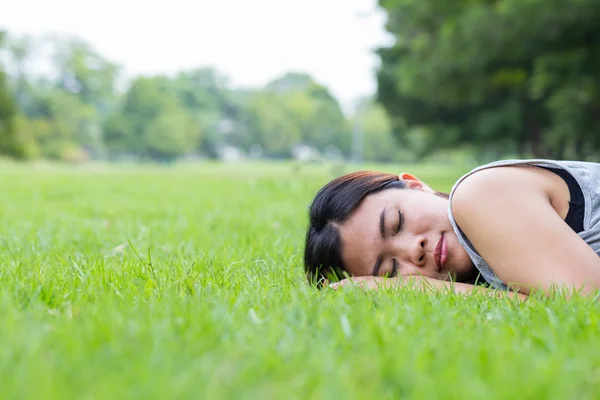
<point x="394" y="81"/>
<point x="156" y="164"/>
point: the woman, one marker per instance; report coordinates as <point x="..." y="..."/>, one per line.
<point x="514" y="225"/>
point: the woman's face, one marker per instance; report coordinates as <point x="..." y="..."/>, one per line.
<point x="403" y="232"/>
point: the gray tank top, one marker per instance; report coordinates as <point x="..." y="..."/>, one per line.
<point x="586" y="174"/>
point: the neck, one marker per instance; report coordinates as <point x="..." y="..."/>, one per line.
<point x="471" y="277"/>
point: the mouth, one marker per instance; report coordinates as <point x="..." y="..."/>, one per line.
<point x="441" y="253"/>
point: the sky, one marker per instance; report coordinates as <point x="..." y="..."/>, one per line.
<point x="250" y="41"/>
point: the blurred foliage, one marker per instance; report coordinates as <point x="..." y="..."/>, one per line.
<point x="517" y="76"/>
<point x="483" y="78"/>
<point x="80" y="108"/>
<point x="9" y="142"/>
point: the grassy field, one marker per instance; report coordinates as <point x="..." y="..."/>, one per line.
<point x="186" y="283"/>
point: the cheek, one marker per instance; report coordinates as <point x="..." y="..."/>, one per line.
<point x="356" y="251"/>
<point x="429" y="214"/>
<point x="453" y="242"/>
<point x="460" y="256"/>
<point x="427" y="221"/>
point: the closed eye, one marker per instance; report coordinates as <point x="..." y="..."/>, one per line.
<point x="394" y="271"/>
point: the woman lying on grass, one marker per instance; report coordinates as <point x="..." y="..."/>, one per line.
<point x="516" y="226"/>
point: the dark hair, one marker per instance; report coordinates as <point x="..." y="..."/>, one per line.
<point x="332" y="205"/>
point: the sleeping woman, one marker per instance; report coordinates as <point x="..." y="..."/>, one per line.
<point x="510" y="227"/>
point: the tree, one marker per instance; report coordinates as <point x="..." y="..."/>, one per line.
<point x="519" y="76"/>
<point x="152" y="123"/>
<point x="72" y="100"/>
<point x="172" y="134"/>
<point x="295" y="110"/>
<point x="272" y="125"/>
<point x="10" y="143"/>
<point x="379" y="141"/>
<point x="215" y="108"/>
<point x="85" y="73"/>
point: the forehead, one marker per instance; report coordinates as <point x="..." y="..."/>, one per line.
<point x="372" y="206"/>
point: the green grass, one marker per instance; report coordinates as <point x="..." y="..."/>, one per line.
<point x="186" y="282"/>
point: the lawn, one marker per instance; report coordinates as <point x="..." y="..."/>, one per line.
<point x="186" y="282"/>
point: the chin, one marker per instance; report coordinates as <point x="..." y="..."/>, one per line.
<point x="447" y="277"/>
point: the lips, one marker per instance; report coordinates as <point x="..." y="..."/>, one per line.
<point x="441" y="251"/>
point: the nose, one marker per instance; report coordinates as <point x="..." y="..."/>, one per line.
<point x="412" y="254"/>
<point x="414" y="250"/>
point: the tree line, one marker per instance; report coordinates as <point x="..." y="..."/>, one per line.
<point x="60" y="99"/>
<point x="482" y="78"/>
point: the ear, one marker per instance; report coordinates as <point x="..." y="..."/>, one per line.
<point x="414" y="183"/>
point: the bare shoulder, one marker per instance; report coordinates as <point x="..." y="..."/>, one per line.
<point x="502" y="183"/>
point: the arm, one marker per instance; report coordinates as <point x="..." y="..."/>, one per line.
<point x="422" y="283"/>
